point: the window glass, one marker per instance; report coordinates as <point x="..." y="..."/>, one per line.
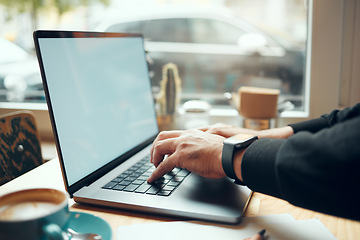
<point x="217" y="46"/>
<point x="11" y="52"/>
<point x="159" y="30"/>
<point x="167" y="30"/>
<point x="129" y="27"/>
<point x="214" y="31"/>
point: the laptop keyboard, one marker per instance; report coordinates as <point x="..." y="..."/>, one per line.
<point x="134" y="180"/>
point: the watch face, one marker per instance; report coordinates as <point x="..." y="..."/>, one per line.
<point x="238" y="138"/>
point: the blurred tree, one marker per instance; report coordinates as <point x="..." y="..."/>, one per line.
<point x="15" y="7"/>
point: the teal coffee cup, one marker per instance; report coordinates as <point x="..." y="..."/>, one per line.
<point x="39" y="214"/>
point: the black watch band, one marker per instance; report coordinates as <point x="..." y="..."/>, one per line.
<point x="228" y="166"/>
<point x="231" y="146"/>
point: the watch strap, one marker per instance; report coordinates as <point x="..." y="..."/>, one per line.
<point x="228" y="153"/>
<point x="228" y="160"/>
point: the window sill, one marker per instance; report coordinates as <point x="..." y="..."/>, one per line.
<point x="23" y="106"/>
<point x="232" y="112"/>
<point x="223" y="114"/>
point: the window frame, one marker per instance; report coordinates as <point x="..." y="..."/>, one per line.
<point x="333" y="52"/>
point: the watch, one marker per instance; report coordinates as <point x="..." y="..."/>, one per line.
<point x="231" y="146"/>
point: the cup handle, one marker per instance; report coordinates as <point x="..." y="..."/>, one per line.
<point x="54" y="232"/>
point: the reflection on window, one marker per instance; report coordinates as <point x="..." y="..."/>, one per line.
<point x="130" y="27"/>
<point x="171" y="30"/>
<point x="214" y="31"/>
<point x="215" y="51"/>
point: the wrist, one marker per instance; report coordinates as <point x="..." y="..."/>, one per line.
<point x="237" y="163"/>
<point x="283" y="132"/>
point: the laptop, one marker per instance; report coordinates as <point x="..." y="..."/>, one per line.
<point x="103" y="116"/>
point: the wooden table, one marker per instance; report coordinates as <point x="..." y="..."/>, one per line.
<point x="48" y="175"/>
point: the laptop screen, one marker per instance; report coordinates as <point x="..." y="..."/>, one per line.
<point x="101" y="99"/>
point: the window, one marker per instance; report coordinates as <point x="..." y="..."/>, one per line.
<point x="260" y="43"/>
<point x="216" y="49"/>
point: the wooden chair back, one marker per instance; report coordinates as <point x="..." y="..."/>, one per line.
<point x="20" y="148"/>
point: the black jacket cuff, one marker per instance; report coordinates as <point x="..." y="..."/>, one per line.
<point x="313" y="125"/>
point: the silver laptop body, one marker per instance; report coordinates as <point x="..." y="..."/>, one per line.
<point x="103" y="116"/>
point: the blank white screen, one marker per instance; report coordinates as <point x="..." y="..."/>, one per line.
<point x="101" y="99"/>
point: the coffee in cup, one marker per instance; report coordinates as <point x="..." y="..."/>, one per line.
<point x="33" y="214"/>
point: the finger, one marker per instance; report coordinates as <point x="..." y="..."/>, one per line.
<point x="213" y="128"/>
<point x="204" y="128"/>
<point x="225" y="131"/>
<point x="161" y="149"/>
<point x="161" y="136"/>
<point x="163" y="168"/>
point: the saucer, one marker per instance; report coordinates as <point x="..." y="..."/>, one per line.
<point x="87" y="223"/>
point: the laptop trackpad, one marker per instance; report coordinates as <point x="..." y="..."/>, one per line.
<point x="219" y="197"/>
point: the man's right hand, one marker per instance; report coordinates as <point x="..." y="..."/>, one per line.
<point x="197" y="151"/>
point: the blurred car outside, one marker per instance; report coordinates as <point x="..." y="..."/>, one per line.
<point x="20" y="78"/>
<point x="215" y="52"/>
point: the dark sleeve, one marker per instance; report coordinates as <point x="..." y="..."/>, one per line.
<point x="327" y="120"/>
<point x="318" y="171"/>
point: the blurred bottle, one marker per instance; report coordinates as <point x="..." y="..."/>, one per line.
<point x="168" y="98"/>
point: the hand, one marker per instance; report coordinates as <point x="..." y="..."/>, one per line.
<point x="194" y="150"/>
<point x="228" y="131"/>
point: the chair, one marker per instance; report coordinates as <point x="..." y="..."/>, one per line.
<point x="20" y="149"/>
